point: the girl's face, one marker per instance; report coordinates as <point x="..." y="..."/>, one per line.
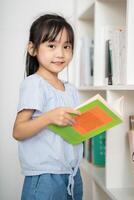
<point x="54" y="56"/>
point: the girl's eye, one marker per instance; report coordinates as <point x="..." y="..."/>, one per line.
<point x="51" y="46"/>
<point x="67" y="47"/>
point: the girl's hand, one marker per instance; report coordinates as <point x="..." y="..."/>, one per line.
<point x="61" y="116"/>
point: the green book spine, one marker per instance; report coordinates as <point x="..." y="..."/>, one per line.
<point x="98" y="149"/>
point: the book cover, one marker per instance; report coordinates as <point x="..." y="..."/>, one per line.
<point x="96" y="117"/>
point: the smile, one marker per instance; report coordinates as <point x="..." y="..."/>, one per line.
<point x="58" y="63"/>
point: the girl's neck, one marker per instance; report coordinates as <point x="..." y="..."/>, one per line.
<point x="52" y="78"/>
<point x="49" y="76"/>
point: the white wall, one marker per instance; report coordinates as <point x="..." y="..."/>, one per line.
<point x="15" y="18"/>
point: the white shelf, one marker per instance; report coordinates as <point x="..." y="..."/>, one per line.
<point x="109" y="87"/>
<point x="98" y="176"/>
<point x="115" y="181"/>
<point x="97" y="173"/>
<point x="111" y="0"/>
<point x="87" y="13"/>
<point x="122" y="194"/>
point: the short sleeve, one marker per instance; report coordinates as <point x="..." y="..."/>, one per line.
<point x="31" y="95"/>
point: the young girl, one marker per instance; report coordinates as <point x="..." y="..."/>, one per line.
<point x="50" y="164"/>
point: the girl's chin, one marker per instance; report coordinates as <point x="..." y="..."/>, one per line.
<point x="58" y="69"/>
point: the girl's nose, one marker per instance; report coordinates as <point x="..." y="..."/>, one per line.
<point x="60" y="53"/>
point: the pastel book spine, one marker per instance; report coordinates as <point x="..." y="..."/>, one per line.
<point x="84" y="60"/>
<point x="98" y="149"/>
<point x="131" y="146"/>
<point x="131" y="140"/>
<point x="87" y="150"/>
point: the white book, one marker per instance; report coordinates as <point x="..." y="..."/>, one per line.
<point x="84" y="61"/>
<point x="122" y="56"/>
<point x="116" y="59"/>
<point x="86" y="50"/>
<point x="119" y="56"/>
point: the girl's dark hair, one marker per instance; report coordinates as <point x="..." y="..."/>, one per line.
<point x="46" y="28"/>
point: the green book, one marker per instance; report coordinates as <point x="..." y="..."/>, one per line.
<point x="96" y="117"/>
<point x="98" y="149"/>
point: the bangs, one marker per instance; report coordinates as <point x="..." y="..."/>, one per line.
<point x="53" y="28"/>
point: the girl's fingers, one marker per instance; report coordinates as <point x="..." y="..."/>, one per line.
<point x="73" y="111"/>
<point x="70" y="119"/>
<point x="67" y="122"/>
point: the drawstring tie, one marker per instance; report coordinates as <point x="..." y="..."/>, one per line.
<point x="70" y="187"/>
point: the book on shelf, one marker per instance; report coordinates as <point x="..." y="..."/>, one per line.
<point x="131" y="140"/>
<point x="87" y="150"/>
<point x="98" y="149"/>
<point x="113" y="54"/>
<point x="96" y="116"/>
<point x="94" y="150"/>
<point x="118" y="46"/>
<point x="84" y="58"/>
<point x="108" y="61"/>
<point x="105" y="35"/>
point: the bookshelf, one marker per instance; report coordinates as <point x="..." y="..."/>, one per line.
<point x="115" y="181"/>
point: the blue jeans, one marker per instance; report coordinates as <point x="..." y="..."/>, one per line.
<point x="51" y="187"/>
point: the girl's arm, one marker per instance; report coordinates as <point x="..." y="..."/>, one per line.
<point x="26" y="127"/>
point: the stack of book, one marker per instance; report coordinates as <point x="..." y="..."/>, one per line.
<point x="94" y="150"/>
<point x="113" y="55"/>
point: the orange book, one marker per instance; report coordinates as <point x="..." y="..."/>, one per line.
<point x="96" y="117"/>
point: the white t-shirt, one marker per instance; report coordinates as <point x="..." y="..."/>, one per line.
<point x="47" y="152"/>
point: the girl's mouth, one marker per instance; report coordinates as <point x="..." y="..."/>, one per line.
<point x="58" y="62"/>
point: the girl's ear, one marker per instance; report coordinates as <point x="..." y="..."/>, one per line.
<point x="30" y="49"/>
